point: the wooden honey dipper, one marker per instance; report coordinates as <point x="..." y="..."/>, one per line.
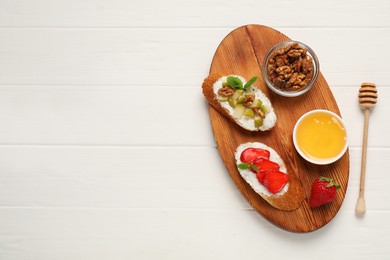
<point x="367" y="99"/>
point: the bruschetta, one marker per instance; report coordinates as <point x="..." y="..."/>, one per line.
<point x="266" y="173"/>
<point x="240" y="101"/>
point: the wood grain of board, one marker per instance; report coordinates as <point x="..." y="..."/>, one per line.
<point x="242" y="52"/>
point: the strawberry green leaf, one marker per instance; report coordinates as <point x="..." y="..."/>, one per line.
<point x="330" y="182"/>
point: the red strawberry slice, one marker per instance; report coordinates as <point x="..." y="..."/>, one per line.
<point x="264" y="164"/>
<point x="260" y="176"/>
<point x="249" y="154"/>
<point x="275" y="180"/>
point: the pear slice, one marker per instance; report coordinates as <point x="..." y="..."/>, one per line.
<point x="239" y="111"/>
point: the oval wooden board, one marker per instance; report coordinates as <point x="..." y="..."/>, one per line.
<point x="242" y="53"/>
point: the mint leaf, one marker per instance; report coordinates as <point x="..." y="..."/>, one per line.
<point x="250" y="83"/>
<point x="246" y="166"/>
<point x="243" y="166"/>
<point x="235" y="82"/>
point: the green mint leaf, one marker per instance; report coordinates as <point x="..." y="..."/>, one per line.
<point x="243" y="166"/>
<point x="246" y="166"/>
<point x="250" y="83"/>
<point x="235" y="82"/>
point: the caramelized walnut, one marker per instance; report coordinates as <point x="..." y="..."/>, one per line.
<point x="249" y="98"/>
<point x="226" y="91"/>
<point x="259" y="112"/>
<point x="290" y="68"/>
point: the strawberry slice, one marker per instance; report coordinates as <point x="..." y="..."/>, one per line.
<point x="260" y="176"/>
<point x="249" y="154"/>
<point x="275" y="180"/>
<point x="264" y="164"/>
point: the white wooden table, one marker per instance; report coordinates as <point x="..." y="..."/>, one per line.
<point x="106" y="149"/>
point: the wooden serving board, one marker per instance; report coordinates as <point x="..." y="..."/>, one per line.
<point x="242" y="52"/>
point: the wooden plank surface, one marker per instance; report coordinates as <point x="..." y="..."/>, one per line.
<point x="154" y="57"/>
<point x="202" y="13"/>
<point x="75" y="176"/>
<point x="96" y="233"/>
<point x="98" y="115"/>
<point x="242" y="53"/>
<point x="75" y="153"/>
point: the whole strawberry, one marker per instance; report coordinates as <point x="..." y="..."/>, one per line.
<point x="323" y="191"/>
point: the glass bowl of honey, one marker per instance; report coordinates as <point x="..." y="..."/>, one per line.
<point x="320" y="137"/>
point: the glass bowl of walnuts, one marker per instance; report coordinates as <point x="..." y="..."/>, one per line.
<point x="290" y="68"/>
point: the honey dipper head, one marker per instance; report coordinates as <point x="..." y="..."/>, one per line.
<point x="367" y="95"/>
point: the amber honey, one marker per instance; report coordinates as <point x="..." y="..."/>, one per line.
<point x="321" y="136"/>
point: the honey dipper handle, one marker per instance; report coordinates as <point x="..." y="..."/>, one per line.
<point x="361" y="204"/>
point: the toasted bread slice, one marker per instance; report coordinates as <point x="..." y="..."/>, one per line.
<point x="292" y="194"/>
<point x="264" y="117"/>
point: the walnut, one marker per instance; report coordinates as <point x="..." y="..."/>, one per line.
<point x="279" y="82"/>
<point x="294" y="53"/>
<point x="283" y="70"/>
<point x="301" y="76"/>
<point x="249" y="98"/>
<point x="297" y="65"/>
<point x="307" y="66"/>
<point x="272" y="76"/>
<point x="294" y="45"/>
<point x="226" y="91"/>
<point x="281" y="60"/>
<point x="258" y="112"/>
<point x="290" y="68"/>
<point x="292" y="79"/>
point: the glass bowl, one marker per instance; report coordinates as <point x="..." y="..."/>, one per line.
<point x="290" y="68"/>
